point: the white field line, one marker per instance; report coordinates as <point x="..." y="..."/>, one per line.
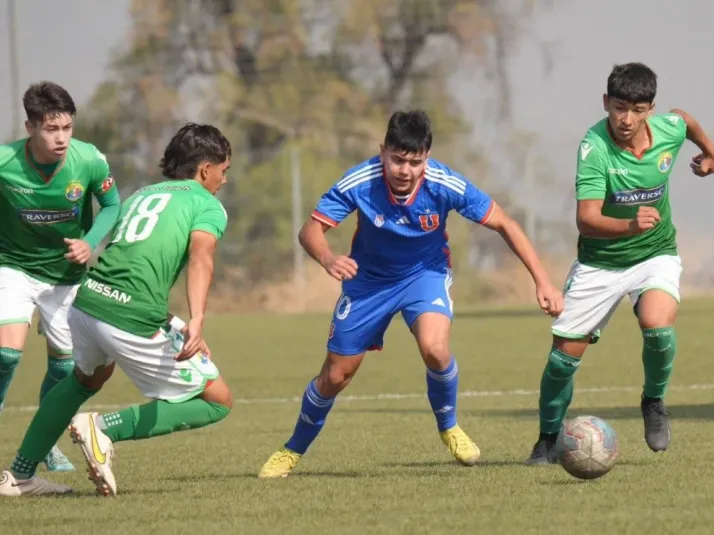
<point x="395" y="396"/>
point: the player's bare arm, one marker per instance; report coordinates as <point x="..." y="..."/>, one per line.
<point x="549" y="297"/>
<point x="199" y="273"/>
<point x="703" y="163"/>
<point x="593" y="224"/>
<point x="313" y="240"/>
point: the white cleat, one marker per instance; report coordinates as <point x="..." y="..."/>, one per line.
<point x="35" y="486"/>
<point x="98" y="450"/>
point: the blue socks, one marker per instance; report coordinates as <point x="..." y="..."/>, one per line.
<point x="441" y="388"/>
<point x="313" y="412"/>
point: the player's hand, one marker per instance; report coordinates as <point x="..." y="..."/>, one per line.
<point x="550" y="299"/>
<point x="79" y="251"/>
<point x="341" y="267"/>
<point x="702" y="164"/>
<point x="193" y="341"/>
<point x="647" y="218"/>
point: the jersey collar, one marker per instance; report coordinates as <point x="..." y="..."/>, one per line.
<point x="638" y="156"/>
<point x="31" y="162"/>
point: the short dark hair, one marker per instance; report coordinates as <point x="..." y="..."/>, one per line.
<point x="191" y="145"/>
<point x="409" y="132"/>
<point x="632" y="82"/>
<point x="47" y="99"/>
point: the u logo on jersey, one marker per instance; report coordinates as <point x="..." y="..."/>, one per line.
<point x="429" y="222"/>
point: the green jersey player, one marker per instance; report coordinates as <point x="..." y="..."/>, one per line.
<point x="47" y="233"/>
<point x="120" y="316"/>
<point x="627" y="247"/>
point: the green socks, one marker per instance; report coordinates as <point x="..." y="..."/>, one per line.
<point x="160" y="417"/>
<point x="56" y="411"/>
<point x="57" y="369"/>
<point x="9" y="359"/>
<point x="556" y="390"/>
<point x="658" y="351"/>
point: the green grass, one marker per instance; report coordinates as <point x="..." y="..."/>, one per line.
<point x="379" y="466"/>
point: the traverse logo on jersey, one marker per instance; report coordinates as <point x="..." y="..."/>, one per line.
<point x="47" y="217"/>
<point x="637" y="196"/>
<point x="74" y="191"/>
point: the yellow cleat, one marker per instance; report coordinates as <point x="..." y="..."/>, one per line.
<point x="460" y="446"/>
<point x="280" y="464"/>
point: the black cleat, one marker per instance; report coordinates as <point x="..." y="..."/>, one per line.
<point x="544" y="451"/>
<point x="656" y="417"/>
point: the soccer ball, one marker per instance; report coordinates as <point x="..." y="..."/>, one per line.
<point x="587" y="447"/>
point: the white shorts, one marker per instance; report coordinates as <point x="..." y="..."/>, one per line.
<point x="21" y="294"/>
<point x="148" y="362"/>
<point x="592" y="294"/>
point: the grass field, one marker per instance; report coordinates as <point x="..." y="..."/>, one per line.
<point x="379" y="466"/>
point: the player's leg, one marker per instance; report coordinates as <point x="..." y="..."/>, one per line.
<point x="317" y="401"/>
<point x="427" y="309"/>
<point x="184" y="395"/>
<point x="656" y="299"/>
<point x="591" y="296"/>
<point x="53" y="304"/>
<point x="58" y="407"/>
<point x="17" y="304"/>
<point x="358" y="324"/>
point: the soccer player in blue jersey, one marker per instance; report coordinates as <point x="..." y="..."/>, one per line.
<point x="399" y="263"/>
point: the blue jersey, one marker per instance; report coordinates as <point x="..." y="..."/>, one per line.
<point x="398" y="238"/>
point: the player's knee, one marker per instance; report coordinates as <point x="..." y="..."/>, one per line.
<point x="437" y="356"/>
<point x="59" y="368"/>
<point x="9" y="359"/>
<point x="218" y="392"/>
<point x="573" y="347"/>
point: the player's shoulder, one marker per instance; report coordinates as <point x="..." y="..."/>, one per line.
<point x="12" y="151"/>
<point x="669" y="123"/>
<point x="442" y="179"/>
<point x="361" y="175"/>
<point x="86" y="152"/>
<point x="595" y="142"/>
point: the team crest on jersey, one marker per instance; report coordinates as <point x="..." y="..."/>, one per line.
<point x="429" y="222"/>
<point x="74" y="191"/>
<point x="665" y="162"/>
<point x="378" y="220"/>
<point x="107" y="184"/>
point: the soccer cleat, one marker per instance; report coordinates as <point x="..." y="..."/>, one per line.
<point x="56" y="461"/>
<point x="656" y="418"/>
<point x="460" y="446"/>
<point x="544" y="452"/>
<point x="98" y="450"/>
<point x="280" y="464"/>
<point x="35" y="486"/>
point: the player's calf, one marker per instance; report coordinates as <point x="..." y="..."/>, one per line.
<point x="556" y="393"/>
<point x="656" y="313"/>
<point x="317" y="400"/>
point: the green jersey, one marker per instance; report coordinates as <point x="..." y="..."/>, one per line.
<point x="38" y="212"/>
<point x="626" y="182"/>
<point x="129" y="287"/>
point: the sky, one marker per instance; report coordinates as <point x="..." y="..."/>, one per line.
<point x="71" y="42"/>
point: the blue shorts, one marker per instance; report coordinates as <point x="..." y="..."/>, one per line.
<point x="363" y="312"/>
